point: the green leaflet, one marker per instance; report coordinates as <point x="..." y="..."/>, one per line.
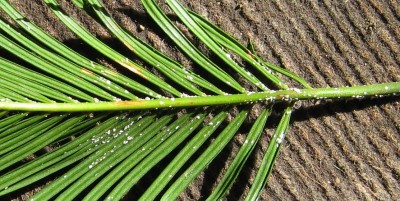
<point x="270" y="156"/>
<point x="241" y="157"/>
<point x="168" y="118"/>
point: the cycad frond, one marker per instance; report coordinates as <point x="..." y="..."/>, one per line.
<point x="108" y="129"/>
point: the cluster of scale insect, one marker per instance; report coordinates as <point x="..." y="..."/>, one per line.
<point x="117" y="136"/>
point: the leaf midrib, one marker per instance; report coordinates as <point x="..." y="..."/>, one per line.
<point x="197" y="101"/>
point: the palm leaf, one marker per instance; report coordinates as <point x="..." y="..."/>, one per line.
<point x="107" y="130"/>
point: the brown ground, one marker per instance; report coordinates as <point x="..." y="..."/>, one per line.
<point x="334" y="151"/>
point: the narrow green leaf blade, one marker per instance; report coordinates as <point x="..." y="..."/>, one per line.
<point x="233" y="45"/>
<point x="184" y="16"/>
<point x="111" y="138"/>
<point x="241" y="157"/>
<point x="205" y="158"/>
<point x="181" y="41"/>
<point x="122" y="154"/>
<point x="270" y="156"/>
<point x="27" y="91"/>
<point x="47" y="164"/>
<point x="70" y="67"/>
<point x="44" y="65"/>
<point x="51" y="134"/>
<point x="106" y="50"/>
<point x="29" y="75"/>
<point x="169" y="67"/>
<point x="10" y="121"/>
<point x="157" y="149"/>
<point x="73" y="56"/>
<point x="182" y="157"/>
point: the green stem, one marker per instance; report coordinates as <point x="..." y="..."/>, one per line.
<point x="377" y="90"/>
